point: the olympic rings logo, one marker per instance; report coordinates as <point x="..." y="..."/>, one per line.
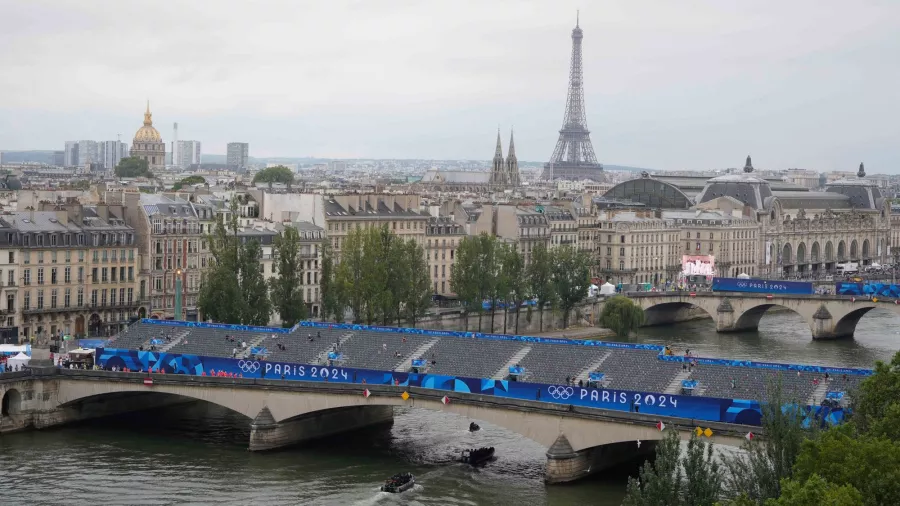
<point x="561" y="393"/>
<point x="248" y="366"/>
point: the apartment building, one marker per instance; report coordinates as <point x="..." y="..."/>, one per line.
<point x="442" y="238"/>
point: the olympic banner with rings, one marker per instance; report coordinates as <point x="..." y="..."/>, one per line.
<point x="682" y="406"/>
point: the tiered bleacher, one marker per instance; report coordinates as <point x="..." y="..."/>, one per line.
<point x="538" y="362"/>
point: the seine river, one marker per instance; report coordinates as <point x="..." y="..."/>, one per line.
<point x="196" y="454"/>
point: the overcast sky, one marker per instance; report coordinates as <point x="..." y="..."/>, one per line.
<point x="668" y="85"/>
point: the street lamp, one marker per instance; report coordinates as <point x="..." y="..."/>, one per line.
<point x="178" y="315"/>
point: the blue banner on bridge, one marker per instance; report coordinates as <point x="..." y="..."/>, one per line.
<point x="698" y="408"/>
<point x="865" y="289"/>
<point x="761" y="286"/>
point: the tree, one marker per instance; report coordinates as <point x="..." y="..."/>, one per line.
<point x="234" y="289"/>
<point x="256" y="306"/>
<point x="817" y="492"/>
<point x="659" y="482"/>
<point x="464" y="276"/>
<point x="843" y="457"/>
<point x="702" y="474"/>
<point x="876" y="409"/>
<point x="188" y="181"/>
<point x="621" y="315"/>
<point x="286" y="290"/>
<point x="571" y="278"/>
<point x="133" y="166"/>
<point x="350" y="274"/>
<point x="277" y="174"/>
<point x="758" y="471"/>
<point x="377" y="244"/>
<point x="513" y="266"/>
<point x="486" y="275"/>
<point x="540" y="278"/>
<point x="417" y="297"/>
<point x="329" y="285"/>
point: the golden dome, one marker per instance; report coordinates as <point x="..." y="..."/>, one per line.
<point x="147" y="133"/>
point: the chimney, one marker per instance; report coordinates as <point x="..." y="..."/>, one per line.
<point x="62" y="215"/>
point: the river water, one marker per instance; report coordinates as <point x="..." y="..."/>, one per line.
<point x="196" y="453"/>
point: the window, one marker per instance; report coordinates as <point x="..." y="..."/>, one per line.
<point x="12" y="257"/>
<point x="103" y="297"/>
<point x="26" y="301"/>
<point x="53" y="276"/>
<point x="81" y="274"/>
<point x="81" y="256"/>
<point x="130" y="294"/>
<point x="94" y="277"/>
<point x="103" y="274"/>
<point x="122" y="294"/>
<point x="112" y="297"/>
<point x="40" y="276"/>
<point x="26" y="277"/>
<point x="27" y="254"/>
<point x="93" y="297"/>
<point x="67" y="297"/>
<point x="40" y="299"/>
<point x="53" y="298"/>
<point x="67" y="275"/>
<point x="131" y="274"/>
<point x="53" y="255"/>
<point x="96" y="256"/>
<point x="80" y="296"/>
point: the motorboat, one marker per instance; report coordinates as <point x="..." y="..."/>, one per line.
<point x="399" y="483"/>
<point x="474" y="427"/>
<point x="475" y="457"/>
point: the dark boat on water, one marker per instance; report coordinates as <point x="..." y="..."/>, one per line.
<point x="473" y="427"/>
<point x="399" y="483"/>
<point x="478" y="456"/>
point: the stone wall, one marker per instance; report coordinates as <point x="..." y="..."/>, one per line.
<point x="529" y="321"/>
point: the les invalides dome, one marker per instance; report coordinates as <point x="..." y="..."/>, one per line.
<point x="148" y="144"/>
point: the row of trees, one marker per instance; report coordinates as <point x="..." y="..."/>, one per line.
<point x="234" y="289"/>
<point x="133" y="166"/>
<point x="381" y="277"/>
<point x="856" y="463"/>
<point x="489" y="269"/>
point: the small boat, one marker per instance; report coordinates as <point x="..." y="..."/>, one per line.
<point x="399" y="483"/>
<point x="478" y="456"/>
<point x="474" y="427"/>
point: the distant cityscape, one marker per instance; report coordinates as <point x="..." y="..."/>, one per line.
<point x="85" y="249"/>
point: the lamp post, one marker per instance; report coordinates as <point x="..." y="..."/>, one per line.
<point x="178" y="315"/>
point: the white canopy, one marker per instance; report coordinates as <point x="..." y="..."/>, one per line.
<point x="18" y="361"/>
<point x="743" y="275"/>
<point x="607" y="289"/>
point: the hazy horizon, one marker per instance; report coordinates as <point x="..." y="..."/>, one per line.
<point x="689" y="86"/>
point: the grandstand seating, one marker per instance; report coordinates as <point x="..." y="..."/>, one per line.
<point x="552" y="363"/>
<point x="474" y="358"/>
<point x="624" y="369"/>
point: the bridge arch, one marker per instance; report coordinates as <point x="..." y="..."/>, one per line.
<point x="749" y="319"/>
<point x="11" y="403"/>
<point x="846" y="326"/>
<point x="675" y="311"/>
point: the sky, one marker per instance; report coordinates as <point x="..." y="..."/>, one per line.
<point x="687" y="85"/>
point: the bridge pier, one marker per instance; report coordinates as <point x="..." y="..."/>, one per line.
<point x="267" y="434"/>
<point x="565" y="464"/>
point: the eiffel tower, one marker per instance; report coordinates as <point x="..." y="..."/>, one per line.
<point x="574" y="156"/>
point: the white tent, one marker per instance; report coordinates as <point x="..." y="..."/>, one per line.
<point x="607" y="289"/>
<point x="743" y="275"/>
<point x="17" y="362"/>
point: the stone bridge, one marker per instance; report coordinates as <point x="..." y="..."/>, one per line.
<point x="580" y="441"/>
<point x="828" y="316"/>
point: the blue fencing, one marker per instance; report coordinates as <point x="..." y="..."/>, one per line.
<point x="820" y="369"/>
<point x="405" y="330"/>
<point x="738" y="411"/>
<point x="761" y="286"/>
<point x="865" y="289"/>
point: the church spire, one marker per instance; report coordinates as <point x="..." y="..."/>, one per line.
<point x="498" y="172"/>
<point x="148" y="117"/>
<point x="748" y="167"/>
<point x="512" y="163"/>
<point x="862" y="170"/>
